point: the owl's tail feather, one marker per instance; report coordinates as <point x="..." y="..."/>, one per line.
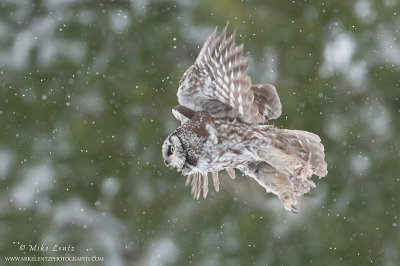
<point x="305" y="146"/>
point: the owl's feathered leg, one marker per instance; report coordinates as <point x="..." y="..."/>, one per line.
<point x="274" y="181"/>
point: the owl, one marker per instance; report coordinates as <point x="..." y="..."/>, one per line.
<point x="223" y="127"/>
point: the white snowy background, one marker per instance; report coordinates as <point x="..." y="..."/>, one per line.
<point x="86" y="89"/>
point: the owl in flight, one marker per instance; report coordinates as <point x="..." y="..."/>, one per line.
<point x="222" y="113"/>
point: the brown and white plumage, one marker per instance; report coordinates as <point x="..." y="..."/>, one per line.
<point x="220" y="111"/>
<point x="218" y="83"/>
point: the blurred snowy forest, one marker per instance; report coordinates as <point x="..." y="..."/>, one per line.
<point x="85" y="99"/>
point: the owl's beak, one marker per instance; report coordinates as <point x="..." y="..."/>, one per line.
<point x="167" y="162"/>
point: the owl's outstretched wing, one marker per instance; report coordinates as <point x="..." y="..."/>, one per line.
<point x="218" y="83"/>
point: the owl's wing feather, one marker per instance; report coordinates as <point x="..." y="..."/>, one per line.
<point x="199" y="181"/>
<point x="218" y="82"/>
<point x="188" y="180"/>
<point x="226" y="68"/>
<point x="203" y="125"/>
<point x="182" y="113"/>
<point x="231" y="172"/>
<point x="205" y="185"/>
<point x="267" y="100"/>
<point x="215" y="180"/>
<point x="196" y="185"/>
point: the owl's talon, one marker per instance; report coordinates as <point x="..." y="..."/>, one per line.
<point x="294" y="209"/>
<point x="288" y="201"/>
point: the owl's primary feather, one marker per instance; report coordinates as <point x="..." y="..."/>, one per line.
<point x="220" y="111"/>
<point x="218" y="83"/>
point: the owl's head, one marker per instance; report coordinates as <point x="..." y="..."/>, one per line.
<point x="173" y="152"/>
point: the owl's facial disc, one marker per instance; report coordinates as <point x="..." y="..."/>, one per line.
<point x="173" y="152"/>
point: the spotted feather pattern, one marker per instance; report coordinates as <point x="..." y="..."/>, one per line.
<point x="218" y="83"/>
<point x="226" y="68"/>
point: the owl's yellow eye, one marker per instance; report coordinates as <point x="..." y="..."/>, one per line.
<point x="172" y="149"/>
